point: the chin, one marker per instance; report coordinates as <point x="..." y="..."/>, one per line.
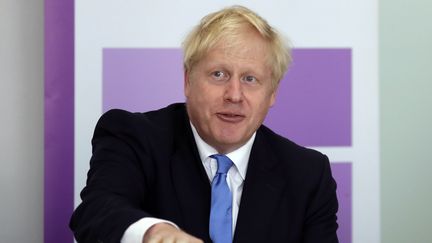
<point x="228" y="136"/>
<point x="230" y="142"/>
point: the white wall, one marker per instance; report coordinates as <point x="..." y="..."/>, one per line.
<point x="406" y="119"/>
<point x="21" y="121"/>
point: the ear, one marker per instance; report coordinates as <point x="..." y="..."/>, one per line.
<point x="186" y="83"/>
<point x="273" y="97"/>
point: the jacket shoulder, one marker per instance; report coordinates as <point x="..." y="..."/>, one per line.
<point x="285" y="148"/>
<point x="147" y="129"/>
<point x="117" y="119"/>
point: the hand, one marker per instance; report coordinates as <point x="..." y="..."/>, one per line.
<point x="166" y="233"/>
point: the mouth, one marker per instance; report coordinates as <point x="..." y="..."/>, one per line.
<point x="230" y="117"/>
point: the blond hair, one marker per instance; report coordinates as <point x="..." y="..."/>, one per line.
<point x="227" y="23"/>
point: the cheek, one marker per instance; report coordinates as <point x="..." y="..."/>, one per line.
<point x="201" y="98"/>
<point x="262" y="105"/>
<point x="206" y="93"/>
<point x="192" y="90"/>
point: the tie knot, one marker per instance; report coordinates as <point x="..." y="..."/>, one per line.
<point x="224" y="163"/>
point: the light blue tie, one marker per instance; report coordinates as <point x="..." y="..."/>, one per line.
<point x="221" y="203"/>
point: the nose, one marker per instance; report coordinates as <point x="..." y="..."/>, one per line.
<point x="233" y="91"/>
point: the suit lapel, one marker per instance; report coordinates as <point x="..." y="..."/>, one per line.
<point x="191" y="183"/>
<point x="261" y="193"/>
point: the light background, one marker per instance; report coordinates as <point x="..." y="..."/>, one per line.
<point x="328" y="25"/>
<point x="405" y="102"/>
<point x="406" y="118"/>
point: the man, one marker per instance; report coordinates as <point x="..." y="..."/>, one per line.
<point x="157" y="176"/>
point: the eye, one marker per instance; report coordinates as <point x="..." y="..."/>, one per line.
<point x="250" y="79"/>
<point x="219" y="75"/>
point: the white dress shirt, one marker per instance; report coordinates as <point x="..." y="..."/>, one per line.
<point x="235" y="179"/>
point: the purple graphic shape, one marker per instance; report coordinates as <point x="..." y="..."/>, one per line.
<point x="342" y="173"/>
<point x="313" y="105"/>
<point x="59" y="120"/>
<point x="142" y="79"/>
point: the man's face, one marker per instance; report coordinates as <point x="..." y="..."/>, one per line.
<point x="229" y="91"/>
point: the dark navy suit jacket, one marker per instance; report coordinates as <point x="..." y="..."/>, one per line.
<point x="147" y="164"/>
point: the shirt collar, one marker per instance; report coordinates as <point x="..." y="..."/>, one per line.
<point x="240" y="156"/>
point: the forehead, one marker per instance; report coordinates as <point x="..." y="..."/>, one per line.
<point x="245" y="44"/>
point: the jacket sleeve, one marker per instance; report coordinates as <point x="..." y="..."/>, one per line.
<point x="320" y="224"/>
<point x="117" y="184"/>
